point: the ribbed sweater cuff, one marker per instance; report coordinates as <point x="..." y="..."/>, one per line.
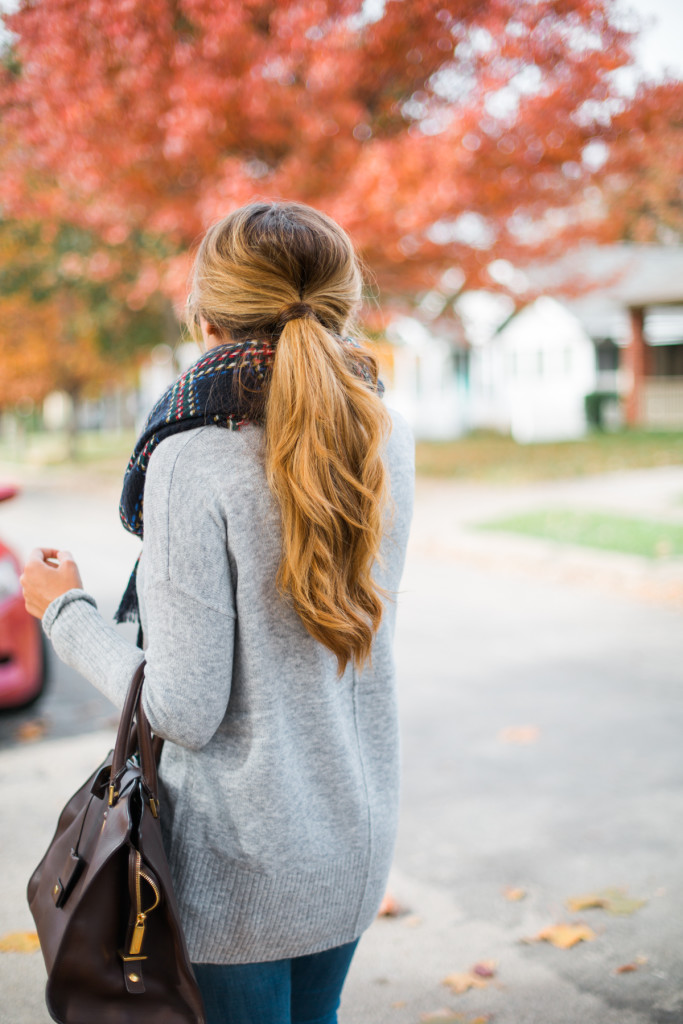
<point x="83" y="640"/>
<point x="55" y="607"/>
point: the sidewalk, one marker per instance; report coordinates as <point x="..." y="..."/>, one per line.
<point x="35" y="781"/>
<point x="448" y="512"/>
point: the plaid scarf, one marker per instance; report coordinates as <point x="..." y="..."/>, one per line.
<point x="205" y="394"/>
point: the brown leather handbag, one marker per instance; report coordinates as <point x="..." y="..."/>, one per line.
<point x="103" y="901"/>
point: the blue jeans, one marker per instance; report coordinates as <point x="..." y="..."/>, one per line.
<point x="301" y="990"/>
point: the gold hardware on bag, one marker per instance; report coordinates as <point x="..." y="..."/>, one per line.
<point x="154" y="806"/>
<point x="134" y="977"/>
<point x="138" y="932"/>
<point x="113" y="793"/>
<point x="138" y="935"/>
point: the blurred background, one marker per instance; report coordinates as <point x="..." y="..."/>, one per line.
<point x="511" y="173"/>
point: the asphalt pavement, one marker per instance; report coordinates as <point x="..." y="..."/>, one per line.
<point x="541" y="704"/>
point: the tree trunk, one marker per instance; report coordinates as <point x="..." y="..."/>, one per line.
<point x="72" y="445"/>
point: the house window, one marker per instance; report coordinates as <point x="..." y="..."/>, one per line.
<point x="607" y="354"/>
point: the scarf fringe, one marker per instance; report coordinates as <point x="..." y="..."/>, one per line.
<point x="128" y="609"/>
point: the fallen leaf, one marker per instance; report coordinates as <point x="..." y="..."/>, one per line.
<point x="29" y="732"/>
<point x="460" y="983"/>
<point x="614" y="901"/>
<point x="413" y="921"/>
<point x="513" y="894"/>
<point x="564" y="936"/>
<point x="519" y="734"/>
<point x="576" y="903"/>
<point x="446" y="1016"/>
<point x="485" y="969"/>
<point x="617" y="902"/>
<point x="398" y="1005"/>
<point x="19" y="942"/>
<point x="633" y="966"/>
<point x="442" y="1016"/>
<point x="390" y="907"/>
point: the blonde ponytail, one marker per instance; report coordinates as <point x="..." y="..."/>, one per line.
<point x="325" y="430"/>
<point x="325" y="425"/>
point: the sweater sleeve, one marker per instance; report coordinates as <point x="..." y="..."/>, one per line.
<point x="189" y="607"/>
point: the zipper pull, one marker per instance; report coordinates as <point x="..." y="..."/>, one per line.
<point x="138" y="935"/>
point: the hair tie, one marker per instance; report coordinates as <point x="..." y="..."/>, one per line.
<point x="295" y="311"/>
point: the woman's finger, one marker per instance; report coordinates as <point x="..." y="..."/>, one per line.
<point x="48" y="573"/>
<point x="42" y="554"/>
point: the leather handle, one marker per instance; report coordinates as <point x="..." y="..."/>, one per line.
<point x="141" y="737"/>
<point x="148" y="761"/>
<point x="126" y="722"/>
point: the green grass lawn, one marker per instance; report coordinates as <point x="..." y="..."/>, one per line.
<point x="495" y="459"/>
<point x="644" y="537"/>
<point x="100" y="451"/>
<point x="486" y="457"/>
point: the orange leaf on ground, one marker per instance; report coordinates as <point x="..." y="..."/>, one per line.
<point x="522" y="734"/>
<point x="442" y="1016"/>
<point x="485" y="969"/>
<point x="19" y="942"/>
<point x="29" y="732"/>
<point x="576" y="903"/>
<point x="446" y="1016"/>
<point x="564" y="936"/>
<point x="390" y="907"/>
<point x="460" y="983"/>
<point x="633" y="966"/>
<point x="614" y="901"/>
<point x="513" y="894"/>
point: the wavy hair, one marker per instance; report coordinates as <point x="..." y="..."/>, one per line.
<point x="288" y="273"/>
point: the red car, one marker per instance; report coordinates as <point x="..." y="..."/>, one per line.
<point x="23" y="662"/>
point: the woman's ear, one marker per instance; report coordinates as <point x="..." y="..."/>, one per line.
<point x="211" y="334"/>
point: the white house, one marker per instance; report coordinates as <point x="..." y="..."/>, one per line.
<point x="531" y="376"/>
<point x="426" y="379"/>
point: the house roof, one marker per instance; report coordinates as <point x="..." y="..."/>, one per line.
<point x="599" y="284"/>
<point x="625" y="274"/>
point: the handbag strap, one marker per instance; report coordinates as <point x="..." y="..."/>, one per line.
<point x="140" y="738"/>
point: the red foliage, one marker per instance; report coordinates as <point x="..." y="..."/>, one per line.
<point x="161" y="115"/>
<point x="642" y="179"/>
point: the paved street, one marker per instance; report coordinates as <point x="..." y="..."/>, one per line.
<point x="541" y="703"/>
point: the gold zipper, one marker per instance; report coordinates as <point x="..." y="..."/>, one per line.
<point x="140" y="914"/>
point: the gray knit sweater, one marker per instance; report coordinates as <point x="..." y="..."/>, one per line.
<point x="279" y="786"/>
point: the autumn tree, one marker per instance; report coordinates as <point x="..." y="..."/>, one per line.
<point x="66" y="324"/>
<point x="439" y="134"/>
<point x="641" y="179"/>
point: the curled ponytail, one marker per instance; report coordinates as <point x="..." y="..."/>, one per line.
<point x="325" y="424"/>
<point x="324" y="434"/>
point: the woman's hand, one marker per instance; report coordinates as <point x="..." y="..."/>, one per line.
<point x="47" y="574"/>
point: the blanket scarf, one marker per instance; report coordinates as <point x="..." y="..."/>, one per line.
<point x="205" y="394"/>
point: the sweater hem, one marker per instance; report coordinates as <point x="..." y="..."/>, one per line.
<point x="235" y="915"/>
